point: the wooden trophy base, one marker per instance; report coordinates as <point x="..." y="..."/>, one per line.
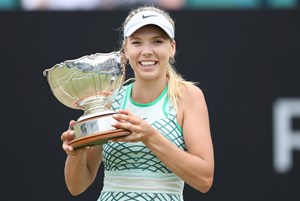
<point x="98" y="138"/>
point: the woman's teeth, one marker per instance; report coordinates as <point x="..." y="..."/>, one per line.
<point x="148" y="63"/>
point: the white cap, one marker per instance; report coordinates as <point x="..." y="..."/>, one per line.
<point x="147" y="17"/>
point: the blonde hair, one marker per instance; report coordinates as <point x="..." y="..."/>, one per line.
<point x="176" y="83"/>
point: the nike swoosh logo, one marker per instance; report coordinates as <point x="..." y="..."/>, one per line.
<point x="146" y="16"/>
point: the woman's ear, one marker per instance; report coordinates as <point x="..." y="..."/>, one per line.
<point x="173" y="48"/>
<point x="125" y="50"/>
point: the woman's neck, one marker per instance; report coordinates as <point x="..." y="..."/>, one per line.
<point x="147" y="91"/>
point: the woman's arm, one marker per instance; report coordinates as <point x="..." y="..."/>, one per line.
<point x="81" y="165"/>
<point x="196" y="166"/>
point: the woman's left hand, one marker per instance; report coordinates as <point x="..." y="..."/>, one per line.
<point x="139" y="128"/>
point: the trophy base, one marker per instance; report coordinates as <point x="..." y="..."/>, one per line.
<point x="98" y="138"/>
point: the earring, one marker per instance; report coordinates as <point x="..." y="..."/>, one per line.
<point x="171" y="60"/>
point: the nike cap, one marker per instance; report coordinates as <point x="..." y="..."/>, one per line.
<point x="148" y="17"/>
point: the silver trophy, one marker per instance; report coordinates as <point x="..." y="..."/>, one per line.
<point x="90" y="83"/>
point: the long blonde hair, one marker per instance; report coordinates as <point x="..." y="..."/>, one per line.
<point x="176" y="83"/>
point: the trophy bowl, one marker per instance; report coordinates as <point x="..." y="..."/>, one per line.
<point x="90" y="83"/>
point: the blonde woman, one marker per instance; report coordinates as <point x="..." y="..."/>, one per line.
<point x="170" y="142"/>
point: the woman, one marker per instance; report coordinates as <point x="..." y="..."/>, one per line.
<point x="170" y="142"/>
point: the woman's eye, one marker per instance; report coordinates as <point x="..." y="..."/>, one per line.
<point x="135" y="42"/>
<point x="158" y="41"/>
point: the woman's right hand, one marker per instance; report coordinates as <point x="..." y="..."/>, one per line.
<point x="67" y="137"/>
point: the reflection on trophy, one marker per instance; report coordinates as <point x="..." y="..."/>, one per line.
<point x="90" y="83"/>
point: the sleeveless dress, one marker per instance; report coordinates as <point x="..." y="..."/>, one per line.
<point x="131" y="171"/>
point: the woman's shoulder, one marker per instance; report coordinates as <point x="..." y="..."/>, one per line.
<point x="191" y="90"/>
<point x="192" y="98"/>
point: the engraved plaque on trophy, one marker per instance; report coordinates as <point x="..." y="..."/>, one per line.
<point x="90" y="83"/>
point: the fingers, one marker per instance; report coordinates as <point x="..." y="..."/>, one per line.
<point x="132" y="124"/>
<point x="126" y="120"/>
<point x="75" y="152"/>
<point x="72" y="123"/>
<point x="68" y="136"/>
<point x="129" y="118"/>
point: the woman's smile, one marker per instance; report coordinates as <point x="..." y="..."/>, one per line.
<point x="148" y="65"/>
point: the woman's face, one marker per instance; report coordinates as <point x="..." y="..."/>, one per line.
<point x="148" y="51"/>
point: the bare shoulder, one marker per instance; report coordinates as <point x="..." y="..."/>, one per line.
<point x="192" y="92"/>
<point x="191" y="104"/>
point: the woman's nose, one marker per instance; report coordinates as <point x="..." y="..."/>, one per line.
<point x="147" y="50"/>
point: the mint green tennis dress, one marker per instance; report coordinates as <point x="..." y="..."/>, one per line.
<point x="132" y="172"/>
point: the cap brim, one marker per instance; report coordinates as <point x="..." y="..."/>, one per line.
<point x="144" y="18"/>
<point x="138" y="26"/>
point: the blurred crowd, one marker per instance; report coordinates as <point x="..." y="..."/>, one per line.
<point x="30" y="5"/>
